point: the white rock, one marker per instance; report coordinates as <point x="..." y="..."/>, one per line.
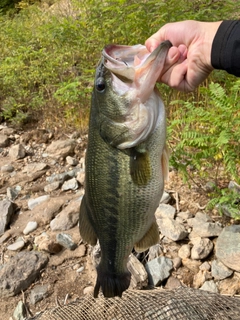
<point x="31" y="226"/>
<point x="17" y="245"/>
<point x="34" y="202"/>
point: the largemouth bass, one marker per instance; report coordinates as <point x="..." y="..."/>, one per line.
<point x="125" y="161"/>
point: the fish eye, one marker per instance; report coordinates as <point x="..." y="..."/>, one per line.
<point x="100" y="84"/>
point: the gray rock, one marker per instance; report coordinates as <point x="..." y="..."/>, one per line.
<point x="165" y="197"/>
<point x="165" y="211"/>
<point x="228" y="248"/>
<point x="38" y="293"/>
<point x="71" y="184"/>
<point x="172" y="283"/>
<point x="17" y="152"/>
<point x="71" y="161"/>
<point x="20" y="272"/>
<point x="67" y="218"/>
<point x="20" y="313"/>
<point x="12" y="193"/>
<point x="184" y="215"/>
<point x="61" y="177"/>
<point x="61" y="148"/>
<point x="17" y="245"/>
<point x="198" y="219"/>
<point x="177" y="261"/>
<point x="220" y="271"/>
<point x="7" y="168"/>
<point x="185" y="251"/>
<point x="35" y="202"/>
<point x="209" y="286"/>
<point x="52" y="186"/>
<point x="205" y="266"/>
<point x="206" y="229"/>
<point x="172" y="229"/>
<point x="30" y="227"/>
<point x="66" y="241"/>
<point x="154" y="252"/>
<point x="201" y="248"/>
<point x="210" y="186"/>
<point x="158" y="270"/>
<point x="234" y="186"/>
<point x="7" y="209"/>
<point x="4" y="141"/>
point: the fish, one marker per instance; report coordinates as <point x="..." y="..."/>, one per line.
<point x="126" y="160"/>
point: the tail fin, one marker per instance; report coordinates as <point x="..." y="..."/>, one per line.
<point x="112" y="284"/>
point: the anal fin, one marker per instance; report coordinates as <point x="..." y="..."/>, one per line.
<point x="86" y="230"/>
<point x="150" y="238"/>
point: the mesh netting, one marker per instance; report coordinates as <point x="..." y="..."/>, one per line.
<point x="182" y="303"/>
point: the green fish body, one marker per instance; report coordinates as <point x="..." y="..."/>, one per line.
<point x="124" y="161"/>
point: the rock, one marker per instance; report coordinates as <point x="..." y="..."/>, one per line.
<point x="71" y="184"/>
<point x="7" y="209"/>
<point x="17" y="152"/>
<point x="176" y="262"/>
<point x="200" y="278"/>
<point x="71" y="161"/>
<point x="205" y="266"/>
<point x="139" y="276"/>
<point x="210" y="186"/>
<point x="209" y="286"/>
<point x="158" y="270"/>
<point x="5" y="237"/>
<point x="35" y="202"/>
<point x="234" y="186"/>
<point x="81" y="177"/>
<point x="165" y="210"/>
<point x="61" y="177"/>
<point x="7" y="168"/>
<point x="20" y="272"/>
<point x="192" y="265"/>
<point x="228" y="211"/>
<point x="46" y="211"/>
<point x="172" y="283"/>
<point x="165" y="197"/>
<point x="47" y="244"/>
<point x="61" y="148"/>
<point x="4" y="141"/>
<point x="88" y="290"/>
<point x="201" y="248"/>
<point x="220" y="271"/>
<point x="67" y="218"/>
<point x="154" y="252"/>
<point x="38" y="293"/>
<point x="31" y="226"/>
<point x="66" y="241"/>
<point x="172" y="229"/>
<point x="184" y="215"/>
<point x="79" y="270"/>
<point x="185" y="251"/>
<point x="17" y="245"/>
<point x="230" y="286"/>
<point x="35" y="167"/>
<point x="198" y="219"/>
<point x="12" y="193"/>
<point x="20" y="313"/>
<point x="79" y="252"/>
<point x="207" y="229"/>
<point x="52" y="186"/>
<point x="227" y="247"/>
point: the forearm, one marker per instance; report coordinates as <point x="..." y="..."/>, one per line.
<point x="225" y="54"/>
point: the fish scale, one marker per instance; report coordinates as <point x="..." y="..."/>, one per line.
<point x="123" y="185"/>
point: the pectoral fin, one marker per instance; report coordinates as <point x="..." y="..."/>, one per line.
<point x="149" y="239"/>
<point x="140" y="168"/>
<point x="86" y="230"/>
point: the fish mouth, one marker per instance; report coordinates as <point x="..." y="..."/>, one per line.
<point x="126" y="61"/>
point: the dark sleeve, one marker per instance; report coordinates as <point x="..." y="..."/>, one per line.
<point x="225" y="53"/>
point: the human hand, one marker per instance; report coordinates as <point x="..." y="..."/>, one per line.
<point x="189" y="60"/>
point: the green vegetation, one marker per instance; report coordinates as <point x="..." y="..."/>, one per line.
<point x="48" y="56"/>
